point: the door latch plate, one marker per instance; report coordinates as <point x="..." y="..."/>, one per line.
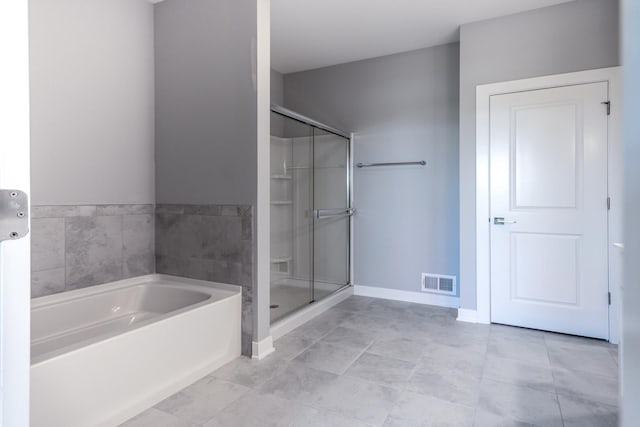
<point x="14" y="214"/>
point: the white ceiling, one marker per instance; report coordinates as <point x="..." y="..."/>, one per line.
<point x="308" y="34"/>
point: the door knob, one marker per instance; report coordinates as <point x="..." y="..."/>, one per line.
<point x="499" y="220"/>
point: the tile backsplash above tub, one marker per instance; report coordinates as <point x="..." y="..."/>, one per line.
<point x="209" y="242"/>
<point x="85" y="245"/>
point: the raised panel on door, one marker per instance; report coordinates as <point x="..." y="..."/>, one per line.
<point x="549" y="182"/>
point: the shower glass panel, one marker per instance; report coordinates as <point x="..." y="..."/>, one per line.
<point x="291" y="216"/>
<point x="310" y="223"/>
<point x="331" y="208"/>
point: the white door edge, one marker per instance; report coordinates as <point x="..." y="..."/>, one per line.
<point x="15" y="262"/>
<point x="612" y="75"/>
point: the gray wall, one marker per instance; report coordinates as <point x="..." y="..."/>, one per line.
<point x="277" y="97"/>
<point x="631" y="320"/>
<point x="92" y="96"/>
<point x="206" y="111"/>
<point x="206" y="143"/>
<point x="401" y="107"/>
<point x="574" y="36"/>
<point x="277" y="88"/>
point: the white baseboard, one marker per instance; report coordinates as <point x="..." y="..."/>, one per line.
<point x="300" y="317"/>
<point x="408" y="296"/>
<point x="467" y="315"/>
<point x="261" y="349"/>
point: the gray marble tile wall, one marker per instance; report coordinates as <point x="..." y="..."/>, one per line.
<point x="84" y="245"/>
<point x="209" y="242"/>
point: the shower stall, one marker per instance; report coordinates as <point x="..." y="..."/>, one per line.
<point x="310" y="211"/>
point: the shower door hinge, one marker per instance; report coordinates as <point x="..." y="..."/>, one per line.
<point x="608" y="104"/>
<point x="14" y="214"/>
<point x="609" y="298"/>
<point x="608" y="203"/>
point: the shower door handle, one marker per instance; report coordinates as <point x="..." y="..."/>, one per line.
<point x="326" y="213"/>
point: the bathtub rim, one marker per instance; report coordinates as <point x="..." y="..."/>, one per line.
<point x="223" y="290"/>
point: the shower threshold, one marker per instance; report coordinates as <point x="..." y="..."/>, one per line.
<point x="301" y="316"/>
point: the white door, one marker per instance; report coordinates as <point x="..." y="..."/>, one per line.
<point x="549" y="266"/>
<point x="14" y="254"/>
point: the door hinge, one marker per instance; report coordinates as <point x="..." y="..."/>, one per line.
<point x="608" y="104"/>
<point x="608" y="203"/>
<point x="609" y="298"/>
<point x="14" y="214"/>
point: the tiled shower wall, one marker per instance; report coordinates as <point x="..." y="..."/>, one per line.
<point x="209" y="242"/>
<point x="84" y="245"/>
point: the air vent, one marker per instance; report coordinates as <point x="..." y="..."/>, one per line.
<point x="439" y="284"/>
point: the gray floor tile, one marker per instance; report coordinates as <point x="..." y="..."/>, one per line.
<point x="388" y="308"/>
<point x="254" y="410"/>
<point x="368" y="323"/>
<point x="347" y="337"/>
<point x="590" y="386"/>
<point x="420" y="410"/>
<point x="331" y="419"/>
<point x="520" y="403"/>
<point x="321" y="326"/>
<point x="446" y="384"/>
<point x="331" y="317"/>
<point x="352" y="398"/>
<point x="463" y="361"/>
<point x="382" y="370"/>
<point x="408" y="327"/>
<point x="290" y="346"/>
<point x="371" y="362"/>
<point x="392" y="421"/>
<point x="578" y="412"/>
<point x="554" y="338"/>
<point x="249" y="372"/>
<point x="155" y="418"/>
<point x="519" y="348"/>
<point x="489" y="419"/>
<point x="401" y="348"/>
<point x="202" y="400"/>
<point x="519" y="373"/>
<point x="588" y="358"/>
<point x="297" y="382"/>
<point x="329" y="357"/>
<point x="440" y="316"/>
<point x="355" y="303"/>
<point x="432" y="310"/>
<point x="505" y="331"/>
<point x="461" y="338"/>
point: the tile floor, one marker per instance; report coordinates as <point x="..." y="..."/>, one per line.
<point x="371" y="362"/>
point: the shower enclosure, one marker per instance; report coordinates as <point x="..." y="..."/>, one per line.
<point x="310" y="211"/>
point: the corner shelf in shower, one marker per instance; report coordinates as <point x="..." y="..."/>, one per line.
<point x="281" y="259"/>
<point x="280" y="176"/>
<point x="281" y="202"/>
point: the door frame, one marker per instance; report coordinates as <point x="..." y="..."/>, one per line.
<point x="612" y="76"/>
<point x="15" y="268"/>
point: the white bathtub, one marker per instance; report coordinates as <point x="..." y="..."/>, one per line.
<point x="100" y="355"/>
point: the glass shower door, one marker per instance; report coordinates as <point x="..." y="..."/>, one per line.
<point x="310" y="224"/>
<point x="331" y="230"/>
<point x="291" y="218"/>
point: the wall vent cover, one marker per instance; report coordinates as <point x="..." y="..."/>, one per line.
<point x="439" y="284"/>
